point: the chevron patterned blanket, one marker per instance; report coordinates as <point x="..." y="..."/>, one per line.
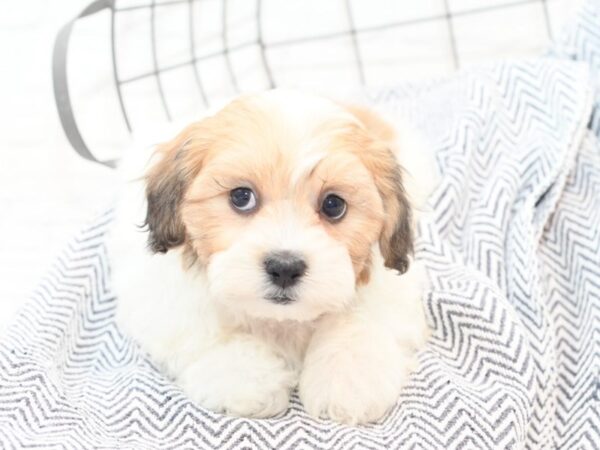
<point x="513" y="255"/>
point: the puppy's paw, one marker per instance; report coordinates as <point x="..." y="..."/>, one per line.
<point x="242" y="378"/>
<point x="355" y="378"/>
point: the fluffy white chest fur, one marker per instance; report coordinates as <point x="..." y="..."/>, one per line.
<point x="276" y="254"/>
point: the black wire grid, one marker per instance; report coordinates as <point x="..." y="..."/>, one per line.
<point x="196" y="57"/>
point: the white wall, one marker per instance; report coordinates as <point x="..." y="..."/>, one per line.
<point x="46" y="191"/>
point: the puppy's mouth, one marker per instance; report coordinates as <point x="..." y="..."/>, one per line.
<point x="280" y="298"/>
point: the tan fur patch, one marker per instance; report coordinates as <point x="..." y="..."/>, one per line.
<point x="374" y="147"/>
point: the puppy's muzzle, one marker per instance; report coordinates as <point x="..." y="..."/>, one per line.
<point x="284" y="269"/>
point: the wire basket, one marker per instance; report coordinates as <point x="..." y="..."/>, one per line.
<point x="194" y="53"/>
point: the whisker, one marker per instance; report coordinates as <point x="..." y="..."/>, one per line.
<point x="218" y="183"/>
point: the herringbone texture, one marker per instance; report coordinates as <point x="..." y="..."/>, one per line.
<point x="513" y="253"/>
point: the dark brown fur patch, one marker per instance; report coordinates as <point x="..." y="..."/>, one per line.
<point x="396" y="240"/>
<point x="166" y="185"/>
<point x="396" y="247"/>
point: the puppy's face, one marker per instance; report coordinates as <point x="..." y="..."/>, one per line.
<point x="281" y="198"/>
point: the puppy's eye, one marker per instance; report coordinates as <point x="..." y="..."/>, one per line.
<point x="333" y="207"/>
<point x="243" y="199"/>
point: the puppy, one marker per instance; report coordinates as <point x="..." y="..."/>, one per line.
<point x="276" y="254"/>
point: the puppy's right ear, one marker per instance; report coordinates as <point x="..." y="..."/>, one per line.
<point x="166" y="184"/>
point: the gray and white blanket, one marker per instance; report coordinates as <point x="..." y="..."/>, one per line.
<point x="513" y="255"/>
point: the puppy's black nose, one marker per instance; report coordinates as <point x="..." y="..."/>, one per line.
<point x="284" y="268"/>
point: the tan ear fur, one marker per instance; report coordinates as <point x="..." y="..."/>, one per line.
<point x="166" y="184"/>
<point x="396" y="239"/>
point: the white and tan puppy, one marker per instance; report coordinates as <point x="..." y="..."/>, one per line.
<point x="277" y="254"/>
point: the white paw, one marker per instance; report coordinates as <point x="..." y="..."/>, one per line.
<point x="354" y="381"/>
<point x="241" y="378"/>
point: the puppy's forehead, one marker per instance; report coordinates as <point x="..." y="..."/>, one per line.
<point x="302" y="113"/>
<point x="306" y="125"/>
<point x="275" y="139"/>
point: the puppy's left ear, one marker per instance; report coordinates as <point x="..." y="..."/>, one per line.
<point x="396" y="239"/>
